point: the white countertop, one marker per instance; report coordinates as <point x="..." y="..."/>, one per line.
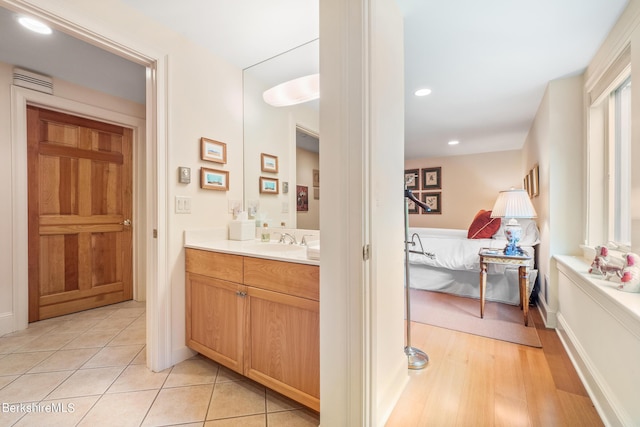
<point x="252" y="248"/>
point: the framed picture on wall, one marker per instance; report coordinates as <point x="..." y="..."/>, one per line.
<point x="535" y="181"/>
<point x="213" y="151"/>
<point x="532" y="187"/>
<point x="268" y="163"/>
<point x="211" y="179"/>
<point x="412" y="184"/>
<point x="433" y="202"/>
<point x="432" y="178"/>
<point x="268" y="185"/>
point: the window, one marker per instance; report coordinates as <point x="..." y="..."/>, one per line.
<point x="620" y="166"/>
<point x="609" y="149"/>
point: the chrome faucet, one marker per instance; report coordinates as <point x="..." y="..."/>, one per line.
<point x="285" y="236"/>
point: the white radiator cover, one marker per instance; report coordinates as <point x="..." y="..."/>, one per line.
<point x="31" y="80"/>
<point x="600" y="329"/>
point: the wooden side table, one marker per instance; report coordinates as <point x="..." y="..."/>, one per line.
<point x="497" y="256"/>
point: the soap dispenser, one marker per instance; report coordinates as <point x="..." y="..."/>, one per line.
<point x="265" y="235"/>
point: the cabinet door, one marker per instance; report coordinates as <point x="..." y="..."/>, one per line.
<point x="283" y="344"/>
<point x="215" y="319"/>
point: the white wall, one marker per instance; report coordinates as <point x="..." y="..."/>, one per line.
<point x="555" y="142"/>
<point x="205" y="100"/>
<point x="6" y="225"/>
<point x="469" y="183"/>
<point x="386" y="181"/>
<point x="599" y="325"/>
<point x="361" y="314"/>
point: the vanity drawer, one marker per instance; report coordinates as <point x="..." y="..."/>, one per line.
<point x="214" y="264"/>
<point x="299" y="280"/>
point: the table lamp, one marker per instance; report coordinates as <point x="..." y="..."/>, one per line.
<point x="513" y="204"/>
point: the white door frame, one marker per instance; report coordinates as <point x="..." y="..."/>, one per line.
<point x="155" y="186"/>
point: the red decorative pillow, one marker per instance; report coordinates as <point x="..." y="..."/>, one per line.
<point x="483" y="226"/>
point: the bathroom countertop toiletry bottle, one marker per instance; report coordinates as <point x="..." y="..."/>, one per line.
<point x="265" y="235"/>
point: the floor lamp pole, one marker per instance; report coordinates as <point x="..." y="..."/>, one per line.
<point x="417" y="359"/>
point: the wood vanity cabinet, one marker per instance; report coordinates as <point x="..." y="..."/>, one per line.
<point x="215" y="312"/>
<point x="258" y="317"/>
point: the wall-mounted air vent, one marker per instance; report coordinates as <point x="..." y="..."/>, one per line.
<point x="30" y="80"/>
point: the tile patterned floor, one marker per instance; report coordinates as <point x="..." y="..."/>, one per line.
<point x="88" y="369"/>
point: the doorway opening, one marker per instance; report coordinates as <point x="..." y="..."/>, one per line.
<point x="307" y="161"/>
<point x="149" y="181"/>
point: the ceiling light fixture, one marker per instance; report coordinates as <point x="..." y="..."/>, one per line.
<point x="454" y="142"/>
<point x="422" y="92"/>
<point x="34" y="25"/>
<point x="294" y="91"/>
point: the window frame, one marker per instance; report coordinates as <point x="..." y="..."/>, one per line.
<point x="601" y="167"/>
<point x="619" y="142"/>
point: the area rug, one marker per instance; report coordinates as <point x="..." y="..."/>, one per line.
<point x="501" y="321"/>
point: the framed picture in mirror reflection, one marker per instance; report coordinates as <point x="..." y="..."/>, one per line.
<point x="268" y="185"/>
<point x="302" y="198"/>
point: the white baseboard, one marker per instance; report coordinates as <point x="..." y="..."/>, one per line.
<point x="548" y="316"/>
<point x="180" y="354"/>
<point x="6" y="323"/>
<point x="589" y="376"/>
<point x="392" y="392"/>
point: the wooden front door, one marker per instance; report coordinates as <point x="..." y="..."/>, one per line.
<point x="80" y="196"/>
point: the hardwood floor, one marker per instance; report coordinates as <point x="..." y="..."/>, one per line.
<point x="477" y="381"/>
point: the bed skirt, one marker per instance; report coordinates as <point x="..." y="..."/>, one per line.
<point x="500" y="287"/>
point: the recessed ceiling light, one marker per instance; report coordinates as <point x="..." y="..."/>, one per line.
<point x="422" y="92"/>
<point x="34" y="25"/>
<point x="454" y="142"/>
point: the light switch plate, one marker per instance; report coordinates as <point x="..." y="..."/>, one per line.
<point x="183" y="205"/>
<point x="184" y="175"/>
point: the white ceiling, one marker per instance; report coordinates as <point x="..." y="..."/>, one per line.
<point x="70" y="59"/>
<point x="487" y="61"/>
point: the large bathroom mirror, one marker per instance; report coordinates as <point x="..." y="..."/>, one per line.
<point x="281" y="144"/>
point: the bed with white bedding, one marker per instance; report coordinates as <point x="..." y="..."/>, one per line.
<point x="455" y="265"/>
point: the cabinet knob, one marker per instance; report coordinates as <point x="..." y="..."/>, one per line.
<point x="241" y="294"/>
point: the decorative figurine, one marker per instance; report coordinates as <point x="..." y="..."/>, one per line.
<point x="601" y="266"/>
<point x="630" y="279"/>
